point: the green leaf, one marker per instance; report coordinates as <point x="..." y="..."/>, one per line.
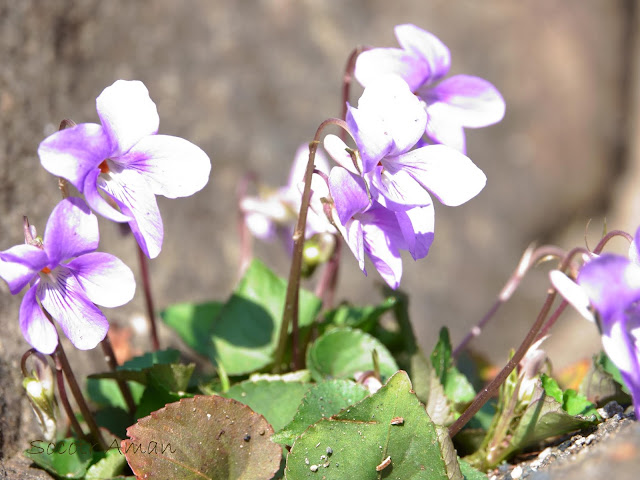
<point x="114" y="419"/>
<point x="603" y="383"/>
<point x="105" y="392"/>
<point x="322" y="401"/>
<point x="572" y="402"/>
<point x="204" y="437"/>
<point x="551" y="387"/>
<point x="111" y="465"/>
<point x="69" y="458"/>
<point x="154" y="398"/>
<point x="355" y="443"/>
<point x="471" y="473"/>
<point x="341" y="352"/>
<point x="456" y="386"/>
<point x="194" y="323"/>
<point x="245" y="334"/>
<point x="149" y="359"/>
<point x="276" y="400"/>
<point x="364" y="318"/>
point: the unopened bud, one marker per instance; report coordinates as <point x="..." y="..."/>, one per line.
<point x="40" y="391"/>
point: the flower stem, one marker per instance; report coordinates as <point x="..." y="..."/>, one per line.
<point x="63" y="364"/>
<point x="290" y="314"/>
<point x="326" y="288"/>
<point x="530" y="257"/>
<point x="62" y="392"/>
<point x="148" y="298"/>
<point x="110" y="358"/>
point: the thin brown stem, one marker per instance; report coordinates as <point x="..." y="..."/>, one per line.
<point x="64" y="399"/>
<point x="148" y="298"/>
<point x="347" y="79"/>
<point x="609" y="236"/>
<point x="290" y="314"/>
<point x="110" y="358"/>
<point x="530" y="258"/>
<point x="326" y="288"/>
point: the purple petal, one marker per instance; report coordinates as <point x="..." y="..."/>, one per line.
<point x="443" y="128"/>
<point x="97" y="202"/>
<point x="572" y="293"/>
<point x="612" y="283"/>
<point x="36" y="328"/>
<point x="337" y="150"/>
<point x="634" y="248"/>
<point x="348" y="192"/>
<point x="173" y="166"/>
<point x="383" y="252"/>
<point x="354" y="238"/>
<point x="72" y="153"/>
<point x="426" y="46"/>
<point x="417" y="226"/>
<point x="127" y="114"/>
<point x="401" y="113"/>
<point x="471" y="101"/>
<point x="20" y="264"/>
<point x="72" y="230"/>
<point x="451" y="176"/>
<point x="105" y="279"/>
<point x="81" y="321"/>
<point x="377" y="62"/>
<point x="396" y="189"/>
<point x="134" y="197"/>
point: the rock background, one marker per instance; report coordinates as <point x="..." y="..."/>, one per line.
<point x="250" y="81"/>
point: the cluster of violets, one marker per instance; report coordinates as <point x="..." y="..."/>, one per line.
<point x="408" y="132"/>
<point x="119" y="166"/>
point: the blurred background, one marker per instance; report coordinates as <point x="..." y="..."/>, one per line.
<point x="249" y="81"/>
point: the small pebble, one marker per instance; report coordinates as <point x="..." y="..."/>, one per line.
<point x="313" y="468"/>
<point x="329" y="451"/>
<point x="516" y="472"/>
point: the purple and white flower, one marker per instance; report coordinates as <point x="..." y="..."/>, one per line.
<point x="68" y="291"/>
<point x="609" y="285"/>
<point x="461" y="101"/>
<point x="125" y="160"/>
<point x="273" y="213"/>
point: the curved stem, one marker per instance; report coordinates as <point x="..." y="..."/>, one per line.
<point x="290" y="314"/>
<point x="609" y="236"/>
<point x="530" y="257"/>
<point x="326" y="288"/>
<point x="346" y="81"/>
<point x="110" y="358"/>
<point x="148" y="298"/>
<point x="62" y="392"/>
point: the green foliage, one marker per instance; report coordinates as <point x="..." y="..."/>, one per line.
<point x="603" y="383"/>
<point x="68" y="458"/>
<point x="341" y="352"/>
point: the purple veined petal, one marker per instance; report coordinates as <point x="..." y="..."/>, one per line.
<point x="20" y="264"/>
<point x="370" y="135"/>
<point x="378" y="62"/>
<point x="348" y="192"/>
<point x="428" y="47"/>
<point x="400" y="111"/>
<point x="127" y="114"/>
<point x="37" y="330"/>
<point x="81" y="321"/>
<point x="173" y="166"/>
<point x="72" y="153"/>
<point x="632" y="381"/>
<point x="72" y="230"/>
<point x="572" y="293"/>
<point x="97" y="202"/>
<point x="136" y="200"/>
<point x="612" y="283"/>
<point x="384" y="253"/>
<point x="395" y="189"/>
<point x="448" y="174"/>
<point x="105" y="279"/>
<point x="352" y="234"/>
<point x="471" y="101"/>
<point x="444" y="129"/>
<point x="417" y="226"/>
<point x="337" y="150"/>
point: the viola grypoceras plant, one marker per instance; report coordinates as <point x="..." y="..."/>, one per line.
<point x="607" y="292"/>
<point x="67" y="291"/>
<point x="127" y="160"/>
<point x="458" y="102"/>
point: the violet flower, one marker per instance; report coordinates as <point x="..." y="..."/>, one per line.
<point x="374" y="231"/>
<point x="68" y="291"/>
<point x="455" y="103"/>
<point x="126" y="160"/>
<point x="273" y="213"/>
<point x="387" y="124"/>
<point x="610" y="285"/>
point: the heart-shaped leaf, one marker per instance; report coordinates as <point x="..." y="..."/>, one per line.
<point x="388" y="434"/>
<point x="204" y="437"/>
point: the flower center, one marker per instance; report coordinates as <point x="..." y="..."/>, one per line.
<point x="46" y="270"/>
<point x="104" y="167"/>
